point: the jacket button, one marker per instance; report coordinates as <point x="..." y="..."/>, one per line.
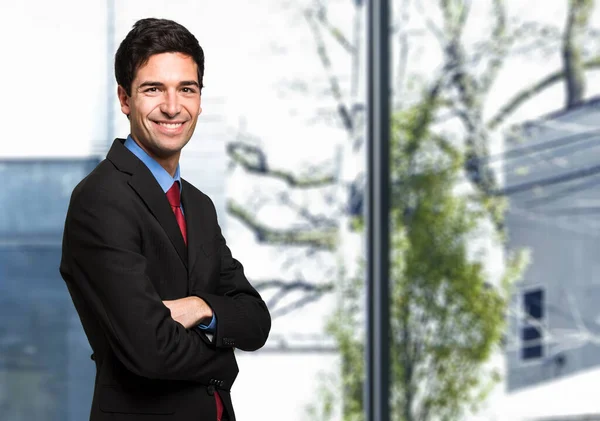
<point x="220" y="383"/>
<point x="211" y="390"/>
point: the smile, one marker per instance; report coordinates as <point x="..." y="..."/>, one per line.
<point x="169" y="125"/>
<point x="170" y="128"/>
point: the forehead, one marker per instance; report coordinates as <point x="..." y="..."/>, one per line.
<point x="167" y="67"/>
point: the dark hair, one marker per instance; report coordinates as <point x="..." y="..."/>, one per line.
<point x="152" y="36"/>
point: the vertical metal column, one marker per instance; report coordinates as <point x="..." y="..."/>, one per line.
<point x="377" y="382"/>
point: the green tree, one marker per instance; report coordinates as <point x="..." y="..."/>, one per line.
<point x="446" y="319"/>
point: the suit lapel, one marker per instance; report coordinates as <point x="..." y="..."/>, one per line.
<point x="151" y="193"/>
<point x="146" y="186"/>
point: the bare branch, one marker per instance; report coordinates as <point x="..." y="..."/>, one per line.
<point x="535" y="89"/>
<point x="577" y="21"/>
<point x="336" y="91"/>
<point x="470" y="93"/>
<point x="335" y="32"/>
<point x="455" y="14"/>
<point x="315" y="220"/>
<point x="499" y="43"/>
<point x="263" y="285"/>
<point x="322" y="239"/>
<point x="254" y="160"/>
<point x="435" y="30"/>
<point x="286" y="287"/>
<point x="466" y="85"/>
<point x="464" y="13"/>
<point x="295" y="305"/>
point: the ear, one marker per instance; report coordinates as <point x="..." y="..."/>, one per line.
<point x="124" y="100"/>
<point x="200" y="106"/>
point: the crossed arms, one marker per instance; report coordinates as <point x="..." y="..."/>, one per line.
<point x="106" y="270"/>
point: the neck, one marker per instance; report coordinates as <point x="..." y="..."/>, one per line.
<point x="169" y="163"/>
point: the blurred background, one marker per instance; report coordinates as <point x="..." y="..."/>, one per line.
<point x="495" y="198"/>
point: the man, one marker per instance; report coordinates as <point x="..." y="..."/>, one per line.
<point x="161" y="299"/>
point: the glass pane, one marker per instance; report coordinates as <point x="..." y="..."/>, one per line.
<point x="534" y="304"/>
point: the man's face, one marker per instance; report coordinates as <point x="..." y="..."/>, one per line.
<point x="164" y="105"/>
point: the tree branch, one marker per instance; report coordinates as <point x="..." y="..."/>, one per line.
<point x="315" y="220"/>
<point x="577" y="21"/>
<point x="254" y="160"/>
<point x="433" y="28"/>
<point x="499" y="42"/>
<point x="263" y="285"/>
<point x="455" y="13"/>
<point x="535" y="89"/>
<point x="301" y="302"/>
<point x="334" y="84"/>
<point x="336" y="33"/>
<point x="322" y="239"/>
<point x="471" y="92"/>
<point x="286" y="287"/>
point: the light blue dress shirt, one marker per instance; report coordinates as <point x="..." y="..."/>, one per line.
<point x="166" y="181"/>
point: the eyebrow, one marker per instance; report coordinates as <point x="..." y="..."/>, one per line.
<point x="189" y="83"/>
<point x="160" y="84"/>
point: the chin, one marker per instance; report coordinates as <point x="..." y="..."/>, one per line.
<point x="169" y="149"/>
<point x="170" y="143"/>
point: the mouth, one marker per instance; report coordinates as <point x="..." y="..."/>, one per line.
<point x="170" y="127"/>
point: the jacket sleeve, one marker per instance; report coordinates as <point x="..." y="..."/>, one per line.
<point x="243" y="319"/>
<point x="105" y="264"/>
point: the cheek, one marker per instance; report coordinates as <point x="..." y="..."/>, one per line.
<point x="144" y="108"/>
<point x="193" y="107"/>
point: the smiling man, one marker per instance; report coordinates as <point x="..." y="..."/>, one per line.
<point x="161" y="299"/>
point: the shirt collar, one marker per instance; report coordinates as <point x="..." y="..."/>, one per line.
<point x="160" y="174"/>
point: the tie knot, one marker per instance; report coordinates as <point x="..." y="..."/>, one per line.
<point x="173" y="195"/>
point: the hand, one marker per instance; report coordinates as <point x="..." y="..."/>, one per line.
<point x="189" y="311"/>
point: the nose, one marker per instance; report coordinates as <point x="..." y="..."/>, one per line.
<point x="170" y="105"/>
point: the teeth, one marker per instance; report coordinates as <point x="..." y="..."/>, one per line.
<point x="171" y="125"/>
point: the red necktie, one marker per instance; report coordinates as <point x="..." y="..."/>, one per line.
<point x="175" y="201"/>
<point x="174" y="198"/>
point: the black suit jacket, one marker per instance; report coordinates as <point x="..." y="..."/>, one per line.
<point x="122" y="255"/>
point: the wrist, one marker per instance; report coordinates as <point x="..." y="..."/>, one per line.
<point x="205" y="320"/>
<point x="205" y="313"/>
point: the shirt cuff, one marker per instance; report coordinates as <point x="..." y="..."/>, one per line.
<point x="211" y="326"/>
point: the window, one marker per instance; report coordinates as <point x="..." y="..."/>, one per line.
<point x="532" y="336"/>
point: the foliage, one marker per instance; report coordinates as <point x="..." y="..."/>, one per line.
<point x="446" y="319"/>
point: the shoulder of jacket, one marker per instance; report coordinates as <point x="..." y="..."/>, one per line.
<point x="104" y="181"/>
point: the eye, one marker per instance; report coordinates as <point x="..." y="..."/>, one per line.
<point x="188" y="90"/>
<point x="153" y="89"/>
